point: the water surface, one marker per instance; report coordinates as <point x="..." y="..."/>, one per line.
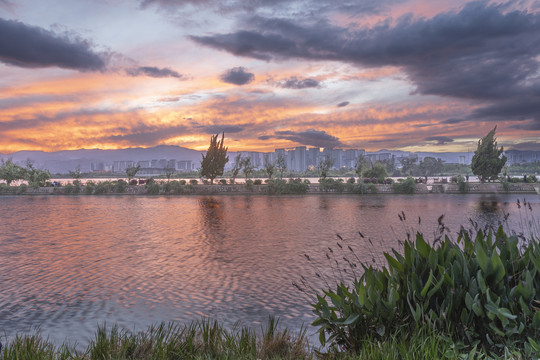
<point x="69" y="263"/>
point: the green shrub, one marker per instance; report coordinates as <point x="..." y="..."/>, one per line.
<point x="506" y="185"/>
<point x="257" y="182"/>
<point x="223" y="181"/>
<point x="483" y="290"/>
<point x="68" y="188"/>
<point x="330" y="184"/>
<point x="89" y="188"/>
<point x="193" y="182"/>
<point x="363" y="188"/>
<point x="462" y="185"/>
<point x="174" y="187"/>
<point x="152" y="187"/>
<point x="103" y="187"/>
<point x="4" y="188"/>
<point x="119" y="186"/>
<point x="406" y="186"/>
<point x="531" y="179"/>
<point x="293" y="186"/>
<point x="21" y="189"/>
<point x="351" y="180"/>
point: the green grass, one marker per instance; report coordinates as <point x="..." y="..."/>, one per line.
<point x="204" y="339"/>
<point x="208" y="339"/>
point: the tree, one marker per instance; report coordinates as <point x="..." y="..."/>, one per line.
<point x="131" y="172"/>
<point x="10" y="171"/>
<point x="430" y="166"/>
<point x="359" y="165"/>
<point x="324" y="166"/>
<point x="378" y="171"/>
<point x="269" y="166"/>
<point x="213" y="162"/>
<point x="238" y="163"/>
<point x="487" y="161"/>
<point x="169" y="172"/>
<point x="76" y="174"/>
<point x="247" y="167"/>
<point x="281" y="165"/>
<point x="35" y="177"/>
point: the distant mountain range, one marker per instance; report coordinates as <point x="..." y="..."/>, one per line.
<point x="63" y="161"/>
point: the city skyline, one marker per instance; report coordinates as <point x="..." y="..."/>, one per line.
<point x="409" y="75"/>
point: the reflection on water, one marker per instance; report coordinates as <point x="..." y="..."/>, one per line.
<point x="70" y="263"/>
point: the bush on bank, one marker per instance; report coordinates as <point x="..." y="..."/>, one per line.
<point x="482" y="291"/>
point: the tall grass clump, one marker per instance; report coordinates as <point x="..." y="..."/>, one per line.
<point x="480" y="291"/>
<point x="205" y="339"/>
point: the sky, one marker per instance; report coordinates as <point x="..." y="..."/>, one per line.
<point x="412" y="75"/>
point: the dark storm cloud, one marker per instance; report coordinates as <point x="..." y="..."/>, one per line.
<point x="529" y="125"/>
<point x="343" y="104"/>
<point x="441" y="140"/>
<point x="525" y="146"/>
<point x="40" y="119"/>
<point x="452" y="121"/>
<point x="294" y="83"/>
<point x="479" y="53"/>
<point x="153" y="71"/>
<point x="34" y="47"/>
<point x="237" y="76"/>
<point x="146" y="135"/>
<point x="217" y="129"/>
<point x="311" y="137"/>
<point x="523" y="107"/>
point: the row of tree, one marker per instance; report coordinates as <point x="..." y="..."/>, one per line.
<point x="10" y="172"/>
<point x="487" y="163"/>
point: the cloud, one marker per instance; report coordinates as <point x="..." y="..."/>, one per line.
<point x="525" y="146"/>
<point x="6" y="4"/>
<point x="441" y="140"/>
<point x="153" y="71"/>
<point x="479" y="53"/>
<point x="528" y="126"/>
<point x="145" y="135"/>
<point x="452" y="121"/>
<point x="294" y="83"/>
<point x="343" y="104"/>
<point x="217" y="129"/>
<point x="34" y="47"/>
<point x="311" y="137"/>
<point x="284" y="8"/>
<point x="237" y="76"/>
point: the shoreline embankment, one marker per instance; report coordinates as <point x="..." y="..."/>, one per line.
<point x="218" y="189"/>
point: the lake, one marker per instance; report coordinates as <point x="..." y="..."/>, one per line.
<point x="69" y="263"/>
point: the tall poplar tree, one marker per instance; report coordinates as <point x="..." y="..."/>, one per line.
<point x="213" y="162"/>
<point x="487" y="161"/>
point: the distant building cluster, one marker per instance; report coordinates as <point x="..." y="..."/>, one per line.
<point x="148" y="167"/>
<point x="302" y="158"/>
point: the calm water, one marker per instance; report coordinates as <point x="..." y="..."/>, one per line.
<point x="70" y="263"/>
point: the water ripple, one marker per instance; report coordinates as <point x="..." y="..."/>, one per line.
<point x="68" y="264"/>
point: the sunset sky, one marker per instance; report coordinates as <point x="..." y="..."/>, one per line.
<point x="388" y="74"/>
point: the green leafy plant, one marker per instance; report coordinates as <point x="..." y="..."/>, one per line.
<point x="482" y="289"/>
